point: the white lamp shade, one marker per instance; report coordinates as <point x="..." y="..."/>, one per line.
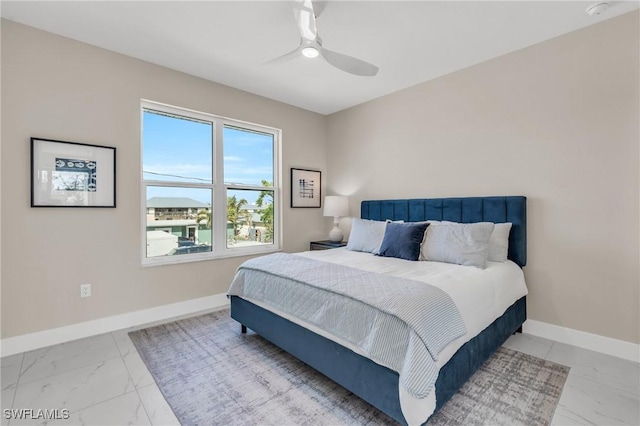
<point x="336" y="206"/>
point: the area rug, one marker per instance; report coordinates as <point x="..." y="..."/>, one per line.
<point x="210" y="374"/>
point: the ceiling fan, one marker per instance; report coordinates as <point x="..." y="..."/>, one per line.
<point x="311" y="45"/>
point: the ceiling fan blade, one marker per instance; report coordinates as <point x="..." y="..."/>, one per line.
<point x="286" y="57"/>
<point x="306" y="19"/>
<point x="349" y="63"/>
<point x="318" y="8"/>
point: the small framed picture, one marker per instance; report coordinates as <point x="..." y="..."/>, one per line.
<point x="305" y="188"/>
<point x="72" y="174"/>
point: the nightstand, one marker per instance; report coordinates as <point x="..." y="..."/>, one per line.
<point x="325" y="245"/>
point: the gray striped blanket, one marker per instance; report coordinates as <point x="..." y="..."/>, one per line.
<point x="399" y="323"/>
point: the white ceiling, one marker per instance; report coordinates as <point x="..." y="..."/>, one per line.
<point x="232" y="42"/>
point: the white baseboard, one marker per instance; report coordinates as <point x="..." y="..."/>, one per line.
<point x="27" y="342"/>
<point x="606" y="345"/>
<point x="40" y="339"/>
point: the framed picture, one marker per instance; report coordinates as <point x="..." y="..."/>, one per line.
<point x="305" y="188"/>
<point x="71" y="174"/>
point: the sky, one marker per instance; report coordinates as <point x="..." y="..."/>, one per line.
<point x="180" y="150"/>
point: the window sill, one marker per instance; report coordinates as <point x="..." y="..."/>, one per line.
<point x="200" y="257"/>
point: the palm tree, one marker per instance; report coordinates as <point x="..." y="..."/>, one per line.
<point x="204" y="216"/>
<point x="266" y="215"/>
<point x="234" y="215"/>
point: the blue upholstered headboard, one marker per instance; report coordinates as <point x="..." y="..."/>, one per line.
<point x="466" y="210"/>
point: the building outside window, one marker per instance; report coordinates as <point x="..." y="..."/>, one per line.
<point x="210" y="186"/>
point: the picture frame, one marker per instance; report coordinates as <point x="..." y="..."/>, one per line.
<point x="72" y="174"/>
<point x="306" y="188"/>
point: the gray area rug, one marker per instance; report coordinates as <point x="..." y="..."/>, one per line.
<point x="210" y="374"/>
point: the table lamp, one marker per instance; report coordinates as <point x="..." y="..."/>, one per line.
<point x="336" y="206"/>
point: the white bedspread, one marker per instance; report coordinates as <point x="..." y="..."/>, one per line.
<point x="481" y="295"/>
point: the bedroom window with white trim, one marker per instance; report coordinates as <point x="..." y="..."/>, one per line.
<point x="210" y="186"/>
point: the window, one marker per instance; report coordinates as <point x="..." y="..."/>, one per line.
<point x="210" y="186"/>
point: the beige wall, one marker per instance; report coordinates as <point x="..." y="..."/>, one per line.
<point x="556" y="122"/>
<point x="56" y="88"/>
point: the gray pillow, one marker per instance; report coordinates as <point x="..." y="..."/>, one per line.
<point x="366" y="235"/>
<point x="499" y="242"/>
<point x="459" y="243"/>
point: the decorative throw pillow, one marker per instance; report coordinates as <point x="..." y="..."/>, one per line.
<point x="459" y="243"/>
<point x="403" y="240"/>
<point x="499" y="242"/>
<point x="366" y="235"/>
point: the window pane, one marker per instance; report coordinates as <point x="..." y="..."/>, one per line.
<point x="178" y="221"/>
<point x="176" y="149"/>
<point x="249" y="218"/>
<point x="248" y="157"/>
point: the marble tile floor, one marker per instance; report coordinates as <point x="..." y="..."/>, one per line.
<point x="102" y="380"/>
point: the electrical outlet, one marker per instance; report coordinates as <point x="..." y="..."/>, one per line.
<point x="85" y="290"/>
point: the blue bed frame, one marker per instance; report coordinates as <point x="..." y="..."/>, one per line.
<point x="374" y="383"/>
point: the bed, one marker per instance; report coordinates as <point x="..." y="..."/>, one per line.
<point x="373" y="382"/>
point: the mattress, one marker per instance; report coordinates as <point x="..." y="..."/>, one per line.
<point x="482" y="295"/>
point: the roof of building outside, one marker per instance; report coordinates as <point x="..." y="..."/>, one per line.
<point x="253" y="207"/>
<point x="174" y="202"/>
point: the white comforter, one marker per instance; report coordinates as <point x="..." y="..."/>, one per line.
<point x="481" y="295"/>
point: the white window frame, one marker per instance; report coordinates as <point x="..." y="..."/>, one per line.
<point x="219" y="189"/>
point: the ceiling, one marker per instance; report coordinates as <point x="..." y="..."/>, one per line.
<point x="232" y="42"/>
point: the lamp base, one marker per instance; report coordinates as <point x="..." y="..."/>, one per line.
<point x="335" y="236"/>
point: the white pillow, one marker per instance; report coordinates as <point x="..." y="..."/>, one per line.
<point x="366" y="235"/>
<point x="499" y="242"/>
<point x="459" y="243"/>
